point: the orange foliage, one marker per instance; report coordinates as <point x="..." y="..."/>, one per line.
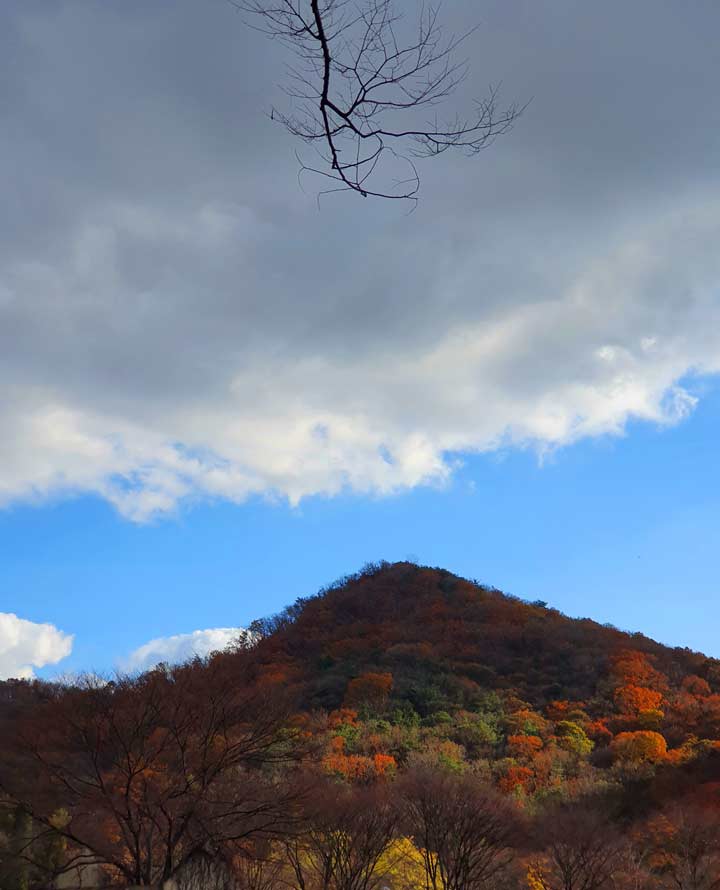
<point x="641" y="746"/>
<point x="598" y="732"/>
<point x="515" y="777"/>
<point x="342" y="716"/>
<point x="679" y="755"/>
<point x="384" y="764"/>
<point x="357" y="768"/>
<point x="633" y="668"/>
<point x="523" y="747"/>
<point x="558" y="710"/>
<point x="632" y="699"/>
<point x="352" y="767"/>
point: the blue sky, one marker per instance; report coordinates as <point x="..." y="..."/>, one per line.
<point x="216" y="396"/>
<point x="624" y="530"/>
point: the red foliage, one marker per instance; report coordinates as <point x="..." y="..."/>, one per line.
<point x="558" y="710"/>
<point x="598" y="731"/>
<point x="395" y="619"/>
<point x="342" y="716"/>
<point x="523" y="747"/>
<point x="696" y="686"/>
<point x="516" y="777"/>
<point x="633" y="668"/>
<point x="370" y="689"/>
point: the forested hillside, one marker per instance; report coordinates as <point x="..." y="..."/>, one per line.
<point x="402" y="728"/>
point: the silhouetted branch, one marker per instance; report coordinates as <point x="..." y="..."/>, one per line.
<point x="356" y="77"/>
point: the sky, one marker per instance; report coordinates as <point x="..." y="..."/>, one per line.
<point x="217" y="395"/>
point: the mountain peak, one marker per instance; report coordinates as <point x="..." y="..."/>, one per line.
<point x="447" y="641"/>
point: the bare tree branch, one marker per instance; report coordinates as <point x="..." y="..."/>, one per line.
<point x="360" y="71"/>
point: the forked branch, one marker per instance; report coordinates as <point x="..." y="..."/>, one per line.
<point x="361" y="88"/>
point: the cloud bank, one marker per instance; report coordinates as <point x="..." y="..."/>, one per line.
<point x="25" y="645"/>
<point x="178" y="321"/>
<point x="180" y="647"/>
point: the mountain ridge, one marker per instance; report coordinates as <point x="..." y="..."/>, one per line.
<point x="389" y="615"/>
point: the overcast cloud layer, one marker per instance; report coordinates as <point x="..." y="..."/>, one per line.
<point x="25" y="645"/>
<point x="177" y="319"/>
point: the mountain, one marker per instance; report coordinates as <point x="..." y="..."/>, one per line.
<point x="395" y="683"/>
<point x="412" y="663"/>
<point x="447" y="640"/>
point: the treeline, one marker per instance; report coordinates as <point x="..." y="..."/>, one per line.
<point x="221" y="787"/>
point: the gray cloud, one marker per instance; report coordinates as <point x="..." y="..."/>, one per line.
<point x="178" y="320"/>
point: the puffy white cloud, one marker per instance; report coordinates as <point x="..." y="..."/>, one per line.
<point x="198" y="330"/>
<point x="179" y="648"/>
<point x="25" y="645"/>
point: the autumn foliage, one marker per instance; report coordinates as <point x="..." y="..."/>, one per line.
<point x="370" y="689"/>
<point x="641" y="746"/>
<point x="402" y="728"/>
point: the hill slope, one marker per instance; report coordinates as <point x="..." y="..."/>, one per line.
<point x="401" y="679"/>
<point x="446" y="640"/>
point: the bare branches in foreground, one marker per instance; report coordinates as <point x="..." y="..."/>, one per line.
<point x="365" y="88"/>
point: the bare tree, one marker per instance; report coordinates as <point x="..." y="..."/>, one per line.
<point x="347" y="833"/>
<point x="365" y="88"/>
<point x="581" y="851"/>
<point x="144" y="776"/>
<point x="261" y="866"/>
<point x="634" y="872"/>
<point x="465" y="831"/>
<point x="684" y="845"/>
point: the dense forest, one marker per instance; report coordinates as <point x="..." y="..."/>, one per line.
<point x="404" y="728"/>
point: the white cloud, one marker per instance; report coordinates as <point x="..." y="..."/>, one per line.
<point x="179" y="648"/>
<point x="612" y="345"/>
<point x="25" y="645"/>
<point x="177" y="321"/>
